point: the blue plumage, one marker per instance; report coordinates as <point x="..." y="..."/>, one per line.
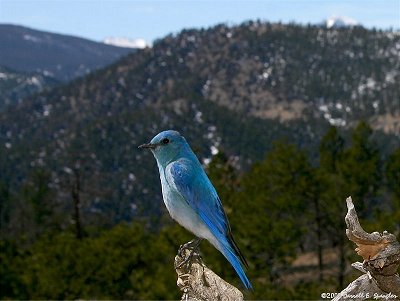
<point x="191" y="199"/>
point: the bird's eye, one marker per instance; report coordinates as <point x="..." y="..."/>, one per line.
<point x="165" y="141"/>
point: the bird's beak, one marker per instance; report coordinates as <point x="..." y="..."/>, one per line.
<point x="148" y="145"/>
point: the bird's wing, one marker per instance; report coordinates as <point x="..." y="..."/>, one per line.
<point x="195" y="187"/>
<point x="192" y="183"/>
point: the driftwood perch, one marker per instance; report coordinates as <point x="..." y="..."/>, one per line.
<point x="381" y="254"/>
<point x="199" y="283"/>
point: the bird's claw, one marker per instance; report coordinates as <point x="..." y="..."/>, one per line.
<point x="192" y="246"/>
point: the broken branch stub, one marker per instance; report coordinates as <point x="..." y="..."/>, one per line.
<point x="199" y="283"/>
<point x="368" y="244"/>
<point x="381" y="254"/>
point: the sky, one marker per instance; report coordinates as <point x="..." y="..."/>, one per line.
<point x="150" y="20"/>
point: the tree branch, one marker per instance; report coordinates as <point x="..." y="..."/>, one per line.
<point x="199" y="283"/>
<point x="381" y="254"/>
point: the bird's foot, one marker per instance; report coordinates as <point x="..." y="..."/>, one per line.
<point x="193" y="247"/>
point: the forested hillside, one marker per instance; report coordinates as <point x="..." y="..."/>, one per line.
<point x="62" y="57"/>
<point x="15" y="86"/>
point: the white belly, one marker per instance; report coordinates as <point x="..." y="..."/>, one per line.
<point x="180" y="211"/>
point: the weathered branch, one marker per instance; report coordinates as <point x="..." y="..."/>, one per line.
<point x="381" y="254"/>
<point x="199" y="283"/>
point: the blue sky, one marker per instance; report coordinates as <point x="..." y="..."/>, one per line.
<point x="97" y="19"/>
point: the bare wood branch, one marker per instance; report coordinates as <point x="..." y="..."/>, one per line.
<point x="381" y="254"/>
<point x="369" y="244"/>
<point x="199" y="283"/>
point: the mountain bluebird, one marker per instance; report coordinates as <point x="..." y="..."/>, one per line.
<point x="191" y="199"/>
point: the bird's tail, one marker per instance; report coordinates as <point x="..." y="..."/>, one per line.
<point x="231" y="252"/>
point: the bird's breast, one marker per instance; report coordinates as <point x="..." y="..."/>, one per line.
<point x="185" y="215"/>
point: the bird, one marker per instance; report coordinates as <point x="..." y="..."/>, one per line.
<point x="192" y="200"/>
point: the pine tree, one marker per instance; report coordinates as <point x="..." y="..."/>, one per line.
<point x="393" y="183"/>
<point x="352" y="171"/>
<point x="332" y="194"/>
<point x="360" y="169"/>
<point x="224" y="177"/>
<point x="271" y="196"/>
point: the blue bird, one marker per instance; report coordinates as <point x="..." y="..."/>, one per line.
<point x="191" y="199"/>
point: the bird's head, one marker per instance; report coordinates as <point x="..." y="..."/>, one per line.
<point x="166" y="146"/>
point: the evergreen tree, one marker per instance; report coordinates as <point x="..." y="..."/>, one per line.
<point x="5" y="208"/>
<point x="38" y="193"/>
<point x="224" y="177"/>
<point x="360" y="169"/>
<point x="332" y="195"/>
<point x="353" y="171"/>
<point x="268" y="207"/>
<point x="331" y="150"/>
<point x="393" y="183"/>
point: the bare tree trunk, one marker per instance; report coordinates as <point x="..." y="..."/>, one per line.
<point x="342" y="260"/>
<point x="381" y="254"/>
<point x="319" y="239"/>
<point x="75" y="193"/>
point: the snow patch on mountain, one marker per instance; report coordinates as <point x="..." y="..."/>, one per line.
<point x="31" y="38"/>
<point x="338" y="22"/>
<point x="126" y="42"/>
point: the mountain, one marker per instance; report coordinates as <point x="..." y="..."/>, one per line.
<point x="232" y="89"/>
<point x="339" y="22"/>
<point x="126" y="42"/>
<point x="60" y="56"/>
<point x="14" y="86"/>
